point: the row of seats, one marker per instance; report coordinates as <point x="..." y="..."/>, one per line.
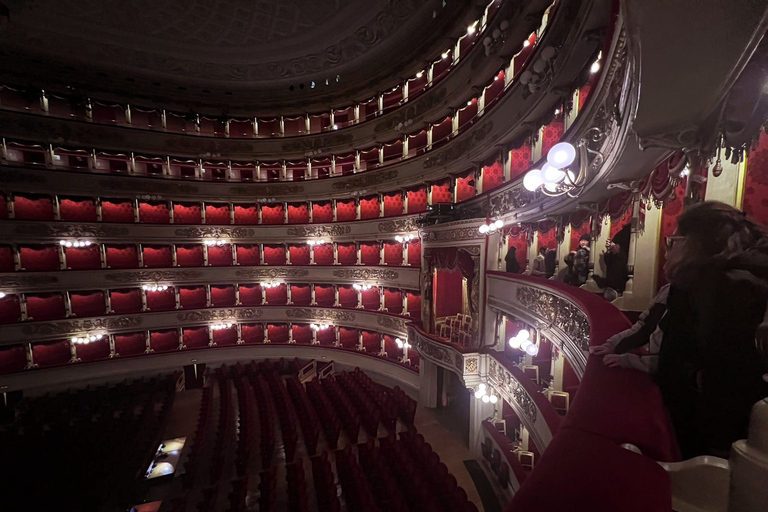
<point x="456" y="328"/>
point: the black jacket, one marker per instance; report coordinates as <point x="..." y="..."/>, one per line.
<point x="511" y="261"/>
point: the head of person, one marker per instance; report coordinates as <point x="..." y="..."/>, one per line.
<point x="543" y="251"/>
<point x="615" y="248"/>
<point x="710" y="235"/>
<point x="584" y="241"/>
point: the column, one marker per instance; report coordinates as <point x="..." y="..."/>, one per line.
<point x="405" y="303"/>
<point x="205" y="255"/>
<point x="266" y="333"/>
<point x="381" y="298"/>
<point x="62" y="258"/>
<point x="140" y="253"/>
<point x="405" y="202"/>
<point x="360" y="347"/>
<point x="240" y="333"/>
<point x="144" y="306"/>
<point x="73" y="352"/>
<point x="313" y="302"/>
<point x="103" y="256"/>
<point x="98" y="210"/>
<point x="207" y="295"/>
<point x="177" y="297"/>
<point x="534" y="242"/>
<point x="211" y="343"/>
<point x="314" y="337"/>
<point x="479" y="411"/>
<point x="337" y="342"/>
<point x="311" y="254"/>
<point x="170" y="211"/>
<point x="563" y="248"/>
<point x="287" y="251"/>
<point x="359" y="299"/>
<point x="336" y="295"/>
<point x="68" y="304"/>
<point x="56" y="208"/>
<point x="148" y="341"/>
<point x="536" y="146"/>
<point x="382" y="261"/>
<point x="237" y="296"/>
<point x="107" y="302"/>
<point x="261" y="253"/>
<point x="428" y="383"/>
<point x="174" y="256"/>
<point x="180" y="334"/>
<point x="570" y="117"/>
<point x="405" y="254"/>
<point x="288" y="293"/>
<point x="383" y="346"/>
<point x="30" y="360"/>
<point x="357" y="208"/>
<point x="601" y="232"/>
<point x="357" y="252"/>
<point x="290" y="333"/>
<point x="234" y="255"/>
<point x="263" y="295"/>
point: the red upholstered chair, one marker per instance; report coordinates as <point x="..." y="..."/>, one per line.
<point x="116" y="210"/>
<point x="77" y="210"/>
<point x="302" y="333"/>
<point x="274" y="254"/>
<point x="86" y="304"/>
<point x="158" y="256"/>
<point x="186" y="255"/>
<point x="277" y="295"/>
<point x="51" y="353"/>
<point x="301" y="294"/>
<point x="248" y="254"/>
<point x="46" y="306"/>
<point x="125" y="301"/>
<point x="195" y="337"/>
<point x="220" y="255"/>
<point x="246" y="214"/>
<point x="223" y="337"/>
<point x="322" y="211"/>
<point x="10" y="309"/>
<point x="493" y="175"/>
<point x="464" y="190"/>
<point x="192" y="297"/>
<point x="154" y="213"/>
<point x="346" y="210"/>
<point x="252" y="333"/>
<point x="414" y="305"/>
<point x="369" y="253"/>
<point x="369" y="207"/>
<point x="83" y="258"/>
<point x="278" y="333"/>
<point x="299" y="254"/>
<point x="39" y="258"/>
<point x="371" y="299"/>
<point x="393" y="204"/>
<point x="325" y="295"/>
<point x="130" y="344"/>
<point x="347" y="296"/>
<point x="94" y="350"/>
<point x="347" y="253"/>
<point x="6" y="258"/>
<point x="417" y="200"/>
<point x="393" y="301"/>
<point x="164" y="341"/>
<point x="323" y="254"/>
<point x="33" y="207"/>
<point x="272" y="214"/>
<point x="186" y="213"/>
<point x="250" y="295"/>
<point x="13" y="359"/>
<point x="161" y="300"/>
<point x="222" y="296"/>
<point x="414" y="254"/>
<point x="122" y="256"/>
<point x="217" y="213"/>
<point x="393" y="253"/>
<point x="298" y="213"/>
<point x="348" y="337"/>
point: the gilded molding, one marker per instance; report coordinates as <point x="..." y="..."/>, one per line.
<point x="470" y="365"/>
<point x="266" y="190"/>
<point x="152" y="276"/>
<point x="396" y="324"/>
<point x="457" y="150"/>
<point x="368" y="273"/>
<point x="469" y="233"/>
<point x="27" y="280"/>
<point x="219" y="314"/>
<point x="320" y="314"/>
<point x="318" y="143"/>
<point x="321" y="230"/>
<point x="272" y="273"/>
<point x="502" y="378"/>
<point x="397" y="225"/>
<point x="55" y="230"/>
<point x="557" y="311"/>
<point x="213" y="232"/>
<point x="76" y="326"/>
<point x="368" y="179"/>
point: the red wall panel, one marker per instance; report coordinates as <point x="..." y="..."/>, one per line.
<point x="325" y="295"/>
<point x="441" y="193"/>
<point x="10" y="309"/>
<point x="323" y="254"/>
<point x="164" y="341"/>
<point x="298" y="213"/>
<point x="369" y="208"/>
<point x="225" y="336"/>
<point x="217" y="214"/>
<point x="414" y="254"/>
<point x="278" y="333"/>
<point x="87" y="304"/>
<point x="196" y="337"/>
<point x="371" y="342"/>
<point x="220" y="255"/>
<point x="322" y="211"/>
<point x="130" y="344"/>
<point x="161" y="301"/>
<point x="348" y="337"/>
<point x="246" y="214"/>
<point x="39" y="257"/>
<point x="116" y="211"/>
<point x="248" y="254"/>
<point x="299" y="254"/>
<point x="46" y="306"/>
<point x="346" y="210"/>
<point x="347" y="296"/>
<point x="250" y="295"/>
<point x="370" y="253"/>
<point x="75" y="210"/>
<point x="393" y="253"/>
<point x="393" y="301"/>
<point x="277" y="295"/>
<point x="347" y="253"/>
<point x="122" y="256"/>
<point x="272" y="214"/>
<point x="52" y="353"/>
<point x="156" y="256"/>
<point x="186" y="213"/>
<point x="326" y="336"/>
<point x="393" y="204"/>
<point x="187" y="255"/>
<point x="222" y="296"/>
<point x="274" y="254"/>
<point x="756" y="181"/>
<point x="551" y="135"/>
<point x="493" y="176"/>
<point x="125" y="301"/>
<point x="302" y="334"/>
<point x="301" y="294"/>
<point x="520" y="161"/>
<point x="417" y="200"/>
<point x="156" y="213"/>
<point x="83" y="258"/>
<point x="94" y="350"/>
<point x="12" y="359"/>
<point x="6" y="259"/>
<point x="33" y="208"/>
<point x="464" y="190"/>
<point x="252" y="333"/>
<point x="192" y="297"/>
<point x="414" y="305"/>
<point x="371" y="299"/>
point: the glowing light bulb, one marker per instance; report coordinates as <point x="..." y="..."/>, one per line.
<point x="478" y="394"/>
<point x="483" y="229"/>
<point x="482" y="387"/>
<point x="493" y="399"/>
<point x="533" y="180"/>
<point x="498" y="224"/>
<point x="595" y="67"/>
<point x="486" y="399"/>
<point x="561" y="155"/>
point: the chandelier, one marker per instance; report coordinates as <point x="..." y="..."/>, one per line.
<point x="555" y="178"/>
<point x="491" y="227"/>
<point x="486" y="394"/>
<point x="522" y="342"/>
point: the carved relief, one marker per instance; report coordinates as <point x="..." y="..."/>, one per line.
<point x="266" y="190"/>
<point x="509" y="200"/>
<point x="388" y="322"/>
<point x="318" y="143"/>
<point x="367" y="273"/>
<point x="309" y="231"/>
<point x="272" y="273"/>
<point x="468" y="233"/>
<point x="470" y="365"/>
<point x="320" y="314"/>
<point x="152" y="276"/>
<point x="219" y="314"/>
<point x="26" y="280"/>
<point x="147" y="186"/>
<point x="204" y="232"/>
<point x="365" y="180"/>
<point x="557" y="311"/>
<point x="76" y="326"/>
<point x="411" y="112"/>
<point x="397" y="225"/>
<point x="71" y="230"/>
<point x="503" y="379"/>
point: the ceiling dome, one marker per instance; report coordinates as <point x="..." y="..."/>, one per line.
<point x="217" y="53"/>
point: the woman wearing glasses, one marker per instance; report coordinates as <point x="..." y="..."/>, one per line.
<point x="703" y="351"/>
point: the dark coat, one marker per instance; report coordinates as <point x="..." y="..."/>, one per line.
<point x="511" y="262"/>
<point x="710" y="371"/>
<point x="616" y="274"/>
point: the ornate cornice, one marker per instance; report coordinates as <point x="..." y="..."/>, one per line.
<point x="366" y="273"/>
<point x="78" y="326"/>
<point x="27" y="280"/>
<point x="439" y="353"/>
<point x="56" y="230"/>
<point x="152" y="276"/>
<point x="450" y="235"/>
<point x="273" y="273"/>
<point x="319" y="230"/>
<point x="366" y="180"/>
<point x="458" y="149"/>
<point x="214" y="232"/>
<point x="558" y="312"/>
<point x="503" y="379"/>
<point x="388" y="322"/>
<point x="397" y="225"/>
<point x="208" y="315"/>
<point x="321" y="314"/>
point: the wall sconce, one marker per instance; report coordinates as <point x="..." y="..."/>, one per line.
<point x="404" y="239"/>
<point x="361" y="287"/>
<point x="320" y="241"/>
<point x="554" y="178"/>
<point x="2" y="295"/>
<point x="75" y="243"/>
<point x="319" y="327"/>
<point x="522" y="342"/>
<point x="489" y="229"/>
<point x="270" y="284"/>
<point x="215" y="241"/>
<point x="86" y="339"/>
<point x="154" y="287"/>
<point x="221" y="325"/>
<point x="402" y="344"/>
<point x="486" y="394"/>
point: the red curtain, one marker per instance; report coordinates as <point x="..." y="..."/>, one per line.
<point x="618" y="224"/>
<point x="414" y="254"/>
<point x="74" y="210"/>
<point x="669" y="215"/>
<point x="299" y="254"/>
<point x="371" y="342"/>
<point x="117" y="211"/>
<point x="252" y="333"/>
<point x="274" y="254"/>
<point x="87" y="304"/>
<point x="414" y="305"/>
<point x="756" y="181"/>
<point x="450" y="259"/>
<point x="154" y="213"/>
<point x="272" y="214"/>
<point x="192" y="297"/>
<point x="225" y="336"/>
<point x="217" y="214"/>
<point x="326" y="336"/>
<point x="325" y="295"/>
<point x="161" y="301"/>
<point x="125" y="301"/>
<point x="250" y="295"/>
<point x="220" y="255"/>
<point x="83" y="258"/>
<point x="46" y="306"/>
<point x="548" y="238"/>
<point x="448" y="286"/>
<point x="246" y="214"/>
<point x="187" y="213"/>
<point x="302" y="334"/>
<point x="130" y="344"/>
<point x="248" y="254"/>
<point x="518" y="239"/>
<point x="122" y="256"/>
<point x="39" y="258"/>
<point x="222" y="296"/>
<point x="371" y="299"/>
<point x="348" y="337"/>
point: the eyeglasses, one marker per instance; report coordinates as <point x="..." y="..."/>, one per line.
<point x="669" y="241"/>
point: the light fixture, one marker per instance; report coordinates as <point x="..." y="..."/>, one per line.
<point x="555" y="178"/>
<point x="471" y="29"/>
<point x="522" y="341"/>
<point x="469" y="103"/>
<point x="86" y="339"/>
<point x="319" y="241"/>
<point x="2" y="295"/>
<point x="221" y="325"/>
<point x="319" y="327"/>
<point x="444" y="55"/>
<point x="526" y="43"/>
<point x="491" y="228"/>
<point x="335" y="127"/>
<point x="75" y="243"/>
<point x="486" y="394"/>
<point x="361" y="287"/>
<point x="154" y="287"/>
<point x="595" y="67"/>
<point x="215" y="241"/>
<point x="402" y="344"/>
<point x="406" y="238"/>
<point x="419" y="74"/>
<point x="270" y="284"/>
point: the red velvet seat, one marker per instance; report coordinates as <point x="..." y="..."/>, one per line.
<point x="414" y="254"/>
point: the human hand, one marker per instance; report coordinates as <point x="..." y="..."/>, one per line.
<point x="612" y="360"/>
<point x="601" y="350"/>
